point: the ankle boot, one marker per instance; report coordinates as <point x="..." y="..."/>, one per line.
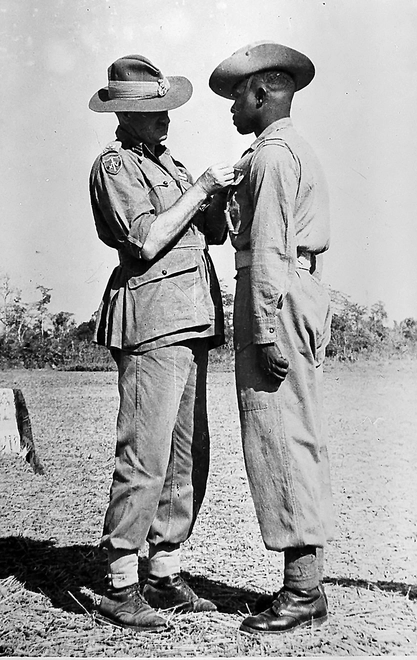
<point x="290" y="610"/>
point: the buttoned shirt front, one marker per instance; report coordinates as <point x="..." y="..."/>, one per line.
<point x="175" y="296"/>
<point x="279" y="210"/>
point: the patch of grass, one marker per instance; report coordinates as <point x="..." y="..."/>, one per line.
<point x="51" y="569"/>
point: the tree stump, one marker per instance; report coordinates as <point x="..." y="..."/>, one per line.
<point x="15" y="428"/>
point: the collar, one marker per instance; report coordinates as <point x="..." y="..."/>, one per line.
<point x="278" y="125"/>
<point x="129" y="141"/>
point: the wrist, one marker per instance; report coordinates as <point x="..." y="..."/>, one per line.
<point x="200" y="188"/>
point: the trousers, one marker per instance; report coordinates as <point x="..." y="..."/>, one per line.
<point x="282" y="425"/>
<point x="162" y="448"/>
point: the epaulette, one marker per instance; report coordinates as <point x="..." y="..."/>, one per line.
<point x="111" y="158"/>
<point x="278" y="141"/>
<point x="274" y="139"/>
<point x="138" y="150"/>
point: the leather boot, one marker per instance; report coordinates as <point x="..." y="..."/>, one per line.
<point x="265" y="601"/>
<point x="172" y="592"/>
<point x="126" y="608"/>
<point x="290" y="610"/>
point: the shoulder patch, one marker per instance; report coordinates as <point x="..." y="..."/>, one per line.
<point x="111" y="159"/>
<point x="112" y="163"/>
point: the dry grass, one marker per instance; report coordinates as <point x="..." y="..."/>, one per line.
<point x="51" y="571"/>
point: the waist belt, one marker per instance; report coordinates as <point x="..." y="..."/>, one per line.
<point x="305" y="260"/>
<point x="129" y="261"/>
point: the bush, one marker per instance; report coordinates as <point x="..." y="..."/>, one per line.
<point x="357" y="331"/>
<point x="32" y="338"/>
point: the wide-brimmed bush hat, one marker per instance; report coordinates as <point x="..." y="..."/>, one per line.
<point x="137" y="85"/>
<point x="261" y="56"/>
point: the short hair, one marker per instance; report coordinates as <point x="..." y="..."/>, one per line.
<point x="276" y="81"/>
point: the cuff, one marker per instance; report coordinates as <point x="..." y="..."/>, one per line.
<point x="265" y="330"/>
<point x="139" y="230"/>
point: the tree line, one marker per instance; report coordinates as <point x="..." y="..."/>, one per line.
<point x="32" y="337"/>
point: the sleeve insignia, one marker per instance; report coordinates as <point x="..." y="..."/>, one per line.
<point x="112" y="163"/>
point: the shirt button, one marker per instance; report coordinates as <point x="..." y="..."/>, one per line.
<point x="165" y="183"/>
<point x="271" y="330"/>
<point x="164" y="272"/>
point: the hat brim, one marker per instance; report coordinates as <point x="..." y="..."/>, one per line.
<point x="261" y="57"/>
<point x="180" y="91"/>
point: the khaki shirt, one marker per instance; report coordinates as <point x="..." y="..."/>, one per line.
<point x="174" y="297"/>
<point x="279" y="210"/>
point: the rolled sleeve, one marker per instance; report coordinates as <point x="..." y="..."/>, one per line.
<point x="122" y="210"/>
<point x="274" y="180"/>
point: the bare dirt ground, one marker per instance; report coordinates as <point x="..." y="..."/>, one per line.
<point x="51" y="571"/>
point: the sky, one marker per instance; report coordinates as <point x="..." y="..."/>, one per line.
<point x="359" y="114"/>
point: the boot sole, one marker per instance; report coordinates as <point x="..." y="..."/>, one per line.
<point x="181" y="608"/>
<point x="312" y="624"/>
<point x="104" y="621"/>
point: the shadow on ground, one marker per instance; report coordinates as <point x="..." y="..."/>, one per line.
<point x="63" y="573"/>
<point x="409" y="590"/>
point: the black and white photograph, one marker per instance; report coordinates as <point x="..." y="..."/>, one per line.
<point x="208" y="328"/>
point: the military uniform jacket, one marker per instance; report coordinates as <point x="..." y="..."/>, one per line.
<point x="176" y="296"/>
<point x="279" y="209"/>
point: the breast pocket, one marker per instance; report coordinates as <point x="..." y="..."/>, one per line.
<point x="163" y="193"/>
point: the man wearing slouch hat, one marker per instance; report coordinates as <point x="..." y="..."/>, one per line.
<point x="160" y="314"/>
<point x="279" y="225"/>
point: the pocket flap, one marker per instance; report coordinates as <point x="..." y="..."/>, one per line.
<point x="175" y="262"/>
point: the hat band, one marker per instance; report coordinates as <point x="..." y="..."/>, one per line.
<point x="139" y="90"/>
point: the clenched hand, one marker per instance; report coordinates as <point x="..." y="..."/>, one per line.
<point x="272" y="362"/>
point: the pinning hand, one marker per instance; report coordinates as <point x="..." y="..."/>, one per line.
<point x="215" y="178"/>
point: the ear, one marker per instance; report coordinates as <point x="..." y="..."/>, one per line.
<point x="260" y="96"/>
